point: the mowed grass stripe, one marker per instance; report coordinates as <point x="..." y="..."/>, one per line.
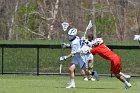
<point x="57" y="84"/>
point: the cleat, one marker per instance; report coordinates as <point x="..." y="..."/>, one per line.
<point x="94" y="73"/>
<point x="85" y="79"/>
<point x="127" y="77"/>
<point x="92" y="79"/>
<point x="127" y="85"/>
<point x="71" y="86"/>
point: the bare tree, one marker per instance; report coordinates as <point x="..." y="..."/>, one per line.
<point x="11" y="21"/>
<point x="49" y="13"/>
<point x="93" y="18"/>
<point x="41" y="19"/>
<point x="7" y="9"/>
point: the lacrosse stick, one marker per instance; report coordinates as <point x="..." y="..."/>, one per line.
<point x="88" y="27"/>
<point x="137" y="37"/>
<point x="65" y="25"/>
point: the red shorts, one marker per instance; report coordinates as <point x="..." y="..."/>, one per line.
<point x="116" y="65"/>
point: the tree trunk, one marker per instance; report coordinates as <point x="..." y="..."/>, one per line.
<point x="93" y="19"/>
<point x="11" y="24"/>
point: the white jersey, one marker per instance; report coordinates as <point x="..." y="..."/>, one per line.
<point x="86" y="56"/>
<point x="76" y="46"/>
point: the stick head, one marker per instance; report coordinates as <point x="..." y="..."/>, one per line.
<point x="65" y="26"/>
<point x="88" y="27"/>
<point x="137" y="37"/>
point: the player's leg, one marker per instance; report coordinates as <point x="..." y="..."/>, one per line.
<point x="87" y="72"/>
<point x="92" y="73"/>
<point x="72" y="71"/>
<point x="95" y="74"/>
<point x="116" y="68"/>
<point x="121" y="78"/>
<point x="72" y="76"/>
<point x="90" y="69"/>
<point x="83" y="73"/>
<point x="82" y="64"/>
<point x="127" y="77"/>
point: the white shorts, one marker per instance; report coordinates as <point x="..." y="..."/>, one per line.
<point x="78" y="60"/>
<point x="90" y="57"/>
<point x="86" y="58"/>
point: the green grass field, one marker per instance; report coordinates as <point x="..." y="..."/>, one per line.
<point x="24" y="60"/>
<point x="57" y="84"/>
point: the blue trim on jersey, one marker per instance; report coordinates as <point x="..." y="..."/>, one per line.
<point x="83" y="65"/>
<point x="81" y="43"/>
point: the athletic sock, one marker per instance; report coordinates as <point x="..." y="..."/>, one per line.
<point x="72" y="81"/>
<point x="125" y="76"/>
<point x="126" y="82"/>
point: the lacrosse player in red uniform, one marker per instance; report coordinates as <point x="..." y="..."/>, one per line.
<point x="100" y="48"/>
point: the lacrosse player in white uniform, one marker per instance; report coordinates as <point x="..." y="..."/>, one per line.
<point x="88" y="58"/>
<point x="75" y="53"/>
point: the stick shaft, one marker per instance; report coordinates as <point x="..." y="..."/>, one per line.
<point x="62" y="54"/>
<point x="60" y="68"/>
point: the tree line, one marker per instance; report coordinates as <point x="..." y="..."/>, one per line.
<point x="41" y="19"/>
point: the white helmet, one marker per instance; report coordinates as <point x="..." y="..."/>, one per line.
<point x="72" y="31"/>
<point x="72" y="34"/>
<point x="97" y="41"/>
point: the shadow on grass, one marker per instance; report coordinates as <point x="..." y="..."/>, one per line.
<point x="87" y="88"/>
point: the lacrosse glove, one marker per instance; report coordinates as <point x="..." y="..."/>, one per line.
<point x="62" y="58"/>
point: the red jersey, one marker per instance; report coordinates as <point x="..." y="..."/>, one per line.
<point x="103" y="51"/>
<point x="106" y="53"/>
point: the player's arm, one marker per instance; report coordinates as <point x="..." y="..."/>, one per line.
<point x="68" y="56"/>
<point x="93" y="51"/>
<point x="66" y="45"/>
<point x="62" y="58"/>
<point x="73" y="52"/>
